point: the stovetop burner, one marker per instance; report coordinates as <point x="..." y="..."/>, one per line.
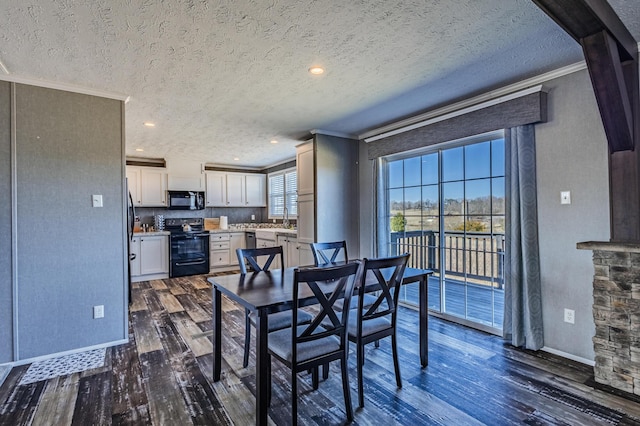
<point x="185" y="225"/>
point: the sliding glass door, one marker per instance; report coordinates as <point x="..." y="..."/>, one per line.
<point x="446" y="207"/>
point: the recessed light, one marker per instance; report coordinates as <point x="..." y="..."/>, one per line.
<point x="149" y="124"/>
<point x="139" y="149"/>
<point x="273" y="141"/>
<point x="236" y="159"/>
<point x="316" y="70"/>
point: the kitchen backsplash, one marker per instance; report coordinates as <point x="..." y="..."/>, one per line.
<point x="236" y="216"/>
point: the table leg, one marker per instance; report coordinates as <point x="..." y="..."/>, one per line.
<point x="217" y="338"/>
<point x="262" y="368"/>
<point x="424" y="320"/>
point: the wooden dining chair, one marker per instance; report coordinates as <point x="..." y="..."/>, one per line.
<point x="325" y="254"/>
<point x="261" y="259"/>
<point x="372" y="323"/>
<point x="324" y="339"/>
<point x="331" y="253"/>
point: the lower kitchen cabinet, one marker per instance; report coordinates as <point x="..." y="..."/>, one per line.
<point x="289" y="245"/>
<point x="223" y="247"/>
<point x="152" y="257"/>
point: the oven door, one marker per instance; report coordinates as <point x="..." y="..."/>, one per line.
<point x="189" y="254"/>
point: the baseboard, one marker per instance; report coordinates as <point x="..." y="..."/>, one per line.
<point x="59" y="354"/>
<point x="568" y="356"/>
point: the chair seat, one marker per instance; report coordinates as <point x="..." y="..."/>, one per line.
<point x="280" y="320"/>
<point x="280" y="344"/>
<point x="369" y="300"/>
<point x="368" y="327"/>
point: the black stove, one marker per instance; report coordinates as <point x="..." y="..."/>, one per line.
<point x="188" y="247"/>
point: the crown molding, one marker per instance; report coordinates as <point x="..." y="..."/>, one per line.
<point x="493" y="97"/>
<point x="330" y="133"/>
<point x="62" y="86"/>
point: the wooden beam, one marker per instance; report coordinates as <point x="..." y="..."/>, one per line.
<point x="582" y="18"/>
<point x="611" y="54"/>
<point x="610" y="87"/>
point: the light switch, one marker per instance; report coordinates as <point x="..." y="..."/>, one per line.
<point x="565" y="197"/>
<point x="96" y="200"/>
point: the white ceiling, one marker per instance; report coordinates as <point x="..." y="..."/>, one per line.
<point x="222" y="78"/>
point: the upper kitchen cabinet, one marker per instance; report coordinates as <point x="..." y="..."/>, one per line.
<point x="148" y="186"/>
<point x="227" y="189"/>
<point x="185" y="175"/>
<point x="327" y="168"/>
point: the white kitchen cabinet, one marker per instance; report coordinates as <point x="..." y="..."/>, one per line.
<point x="216" y="194"/>
<point x="263" y="243"/>
<point x="236" y="241"/>
<point x="219" y="247"/>
<point x="305" y="168"/>
<point x="225" y="189"/>
<point x="185" y="175"/>
<point x="134" y="250"/>
<point x="235" y="190"/>
<point x="255" y="190"/>
<point x="152" y="257"/>
<point x="289" y="245"/>
<point x="148" y="186"/>
<point x="306" y="228"/>
<point x="154" y="251"/>
<point x="223" y="247"/>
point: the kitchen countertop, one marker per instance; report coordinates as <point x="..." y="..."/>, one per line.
<point x="151" y="234"/>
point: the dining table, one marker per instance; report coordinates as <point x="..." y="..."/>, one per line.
<point x="266" y="292"/>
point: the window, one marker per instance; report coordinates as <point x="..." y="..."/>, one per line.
<point x="283" y="191"/>
<point x="446" y="206"/>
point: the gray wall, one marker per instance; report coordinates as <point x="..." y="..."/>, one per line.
<point x="6" y="288"/>
<point x="336" y="190"/>
<point x="571" y="155"/>
<point x="70" y="256"/>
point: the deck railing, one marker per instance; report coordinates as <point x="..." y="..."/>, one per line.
<point x="477" y="256"/>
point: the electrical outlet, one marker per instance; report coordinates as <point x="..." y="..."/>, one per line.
<point x="570" y="316"/>
<point x="98" y="311"/>
<point x="565" y="197"/>
<point x="253" y="217"/>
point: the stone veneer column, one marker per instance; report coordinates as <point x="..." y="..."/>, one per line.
<point x="616" y="312"/>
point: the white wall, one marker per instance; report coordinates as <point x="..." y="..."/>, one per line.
<point x="572" y="156"/>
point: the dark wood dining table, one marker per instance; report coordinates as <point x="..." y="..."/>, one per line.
<point x="272" y="291"/>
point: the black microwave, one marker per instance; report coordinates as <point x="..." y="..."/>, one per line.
<point x="186" y="200"/>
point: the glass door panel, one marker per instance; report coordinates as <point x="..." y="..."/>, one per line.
<point x="447" y="209"/>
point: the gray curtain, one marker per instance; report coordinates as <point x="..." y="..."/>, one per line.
<point x="523" y="299"/>
<point x="381" y="224"/>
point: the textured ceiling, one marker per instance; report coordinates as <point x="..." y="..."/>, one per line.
<point x="222" y="78"/>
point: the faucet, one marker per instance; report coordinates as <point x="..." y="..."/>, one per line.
<point x="285" y="216"/>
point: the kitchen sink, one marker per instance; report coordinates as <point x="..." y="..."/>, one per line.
<point x="270" y="233"/>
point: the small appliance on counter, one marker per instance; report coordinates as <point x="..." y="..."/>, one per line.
<point x="188" y="247"/>
<point x="224" y="222"/>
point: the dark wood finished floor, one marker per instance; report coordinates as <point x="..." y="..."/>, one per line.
<point x="163" y="377"/>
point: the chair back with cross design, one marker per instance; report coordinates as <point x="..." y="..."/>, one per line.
<point x="329" y="253"/>
<point x="259" y="259"/>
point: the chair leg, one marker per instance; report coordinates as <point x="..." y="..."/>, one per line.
<point x="325" y="371"/>
<point x="345" y="387"/>
<point x="294" y="396"/>
<point x="377" y="343"/>
<point x="314" y="377"/>
<point x="360" y="356"/>
<point x="396" y="363"/>
<point x="269" y="376"/>
<point x="247" y="340"/>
